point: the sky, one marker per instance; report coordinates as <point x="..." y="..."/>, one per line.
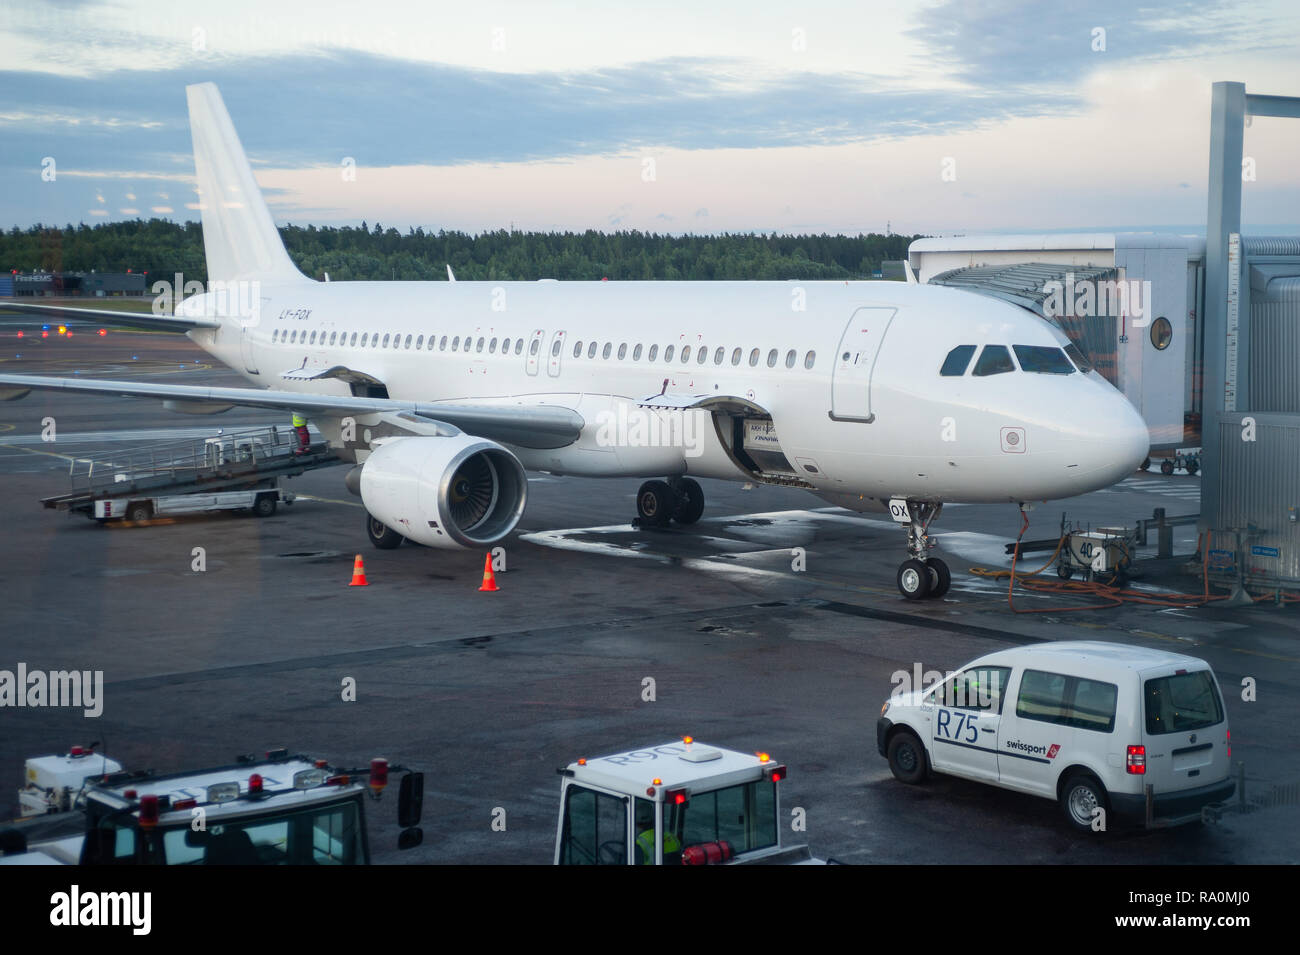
<point x="936" y="117"/>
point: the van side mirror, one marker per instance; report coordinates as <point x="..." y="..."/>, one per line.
<point x="410" y="800"/>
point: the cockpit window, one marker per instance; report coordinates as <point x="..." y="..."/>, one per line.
<point x="958" y="360"/>
<point x="1078" y="357"/>
<point x="994" y="360"/>
<point x="1043" y="360"/>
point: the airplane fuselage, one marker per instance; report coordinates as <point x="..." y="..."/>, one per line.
<point x="849" y="373"/>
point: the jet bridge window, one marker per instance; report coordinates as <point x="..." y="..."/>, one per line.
<point x="994" y="360"/>
<point x="958" y="360"/>
<point x="1043" y="360"/>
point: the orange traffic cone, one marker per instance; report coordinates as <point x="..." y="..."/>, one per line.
<point x="489" y="581"/>
<point x="359" y="574"/>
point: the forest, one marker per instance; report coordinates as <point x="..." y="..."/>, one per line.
<point x="350" y="253"/>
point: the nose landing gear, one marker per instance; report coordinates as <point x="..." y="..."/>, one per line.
<point x="920" y="576"/>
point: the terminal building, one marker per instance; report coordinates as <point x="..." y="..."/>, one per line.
<point x="72" y="284"/>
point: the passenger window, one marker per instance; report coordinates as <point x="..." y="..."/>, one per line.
<point x="958" y="360"/>
<point x="408" y="342"/>
<point x="577" y="349"/>
<point x="719" y="354"/>
<point x="364" y="336"/>
<point x="333" y="337"/>
<point x="442" y="343"/>
<point x="479" y="345"/>
<point x="492" y="347"/>
<point x="771" y="358"/>
<point x="431" y="341"/>
<point x="979" y="689"/>
<point x="386" y="341"/>
<point x="686" y="354"/>
<point x="532" y="349"/>
<point x="519" y="346"/>
<point x="505" y="346"/>
<point x="591" y="350"/>
<point x="701" y="355"/>
<point x="622" y="351"/>
<point x="455" y="343"/>
<point x="1067" y="701"/>
<point x="994" y="360"/>
<point x="654" y="351"/>
<point x="313" y="338"/>
<point x="1042" y="360"/>
<point x="555" y="349"/>
<point x="353" y="343"/>
<point x="668" y="353"/>
<point x="419" y="342"/>
<point x="810" y="359"/>
<point x="790" y="357"/>
<point x="735" y="356"/>
<point x="753" y="358"/>
<point x="604" y="352"/>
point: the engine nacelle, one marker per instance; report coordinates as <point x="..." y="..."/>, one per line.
<point x="449" y="492"/>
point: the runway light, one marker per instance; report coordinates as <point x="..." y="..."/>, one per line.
<point x="45" y="334"/>
<point x="103" y="332"/>
<point x="63" y="329"/>
<point x="20" y="333"/>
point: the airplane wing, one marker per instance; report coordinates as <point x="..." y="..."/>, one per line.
<point x="524" y="425"/>
<point x="106" y="316"/>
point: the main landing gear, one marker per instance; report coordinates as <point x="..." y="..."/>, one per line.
<point x="677" y="499"/>
<point x="921" y="576"/>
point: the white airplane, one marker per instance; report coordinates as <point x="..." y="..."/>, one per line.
<point x="872" y="395"/>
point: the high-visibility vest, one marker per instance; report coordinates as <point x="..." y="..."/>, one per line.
<point x="646" y="843"/>
<point x="299" y="421"/>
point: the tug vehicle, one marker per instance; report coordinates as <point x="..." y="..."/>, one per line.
<point x="676" y="803"/>
<point x="276" y="810"/>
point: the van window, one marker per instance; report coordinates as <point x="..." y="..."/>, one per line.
<point x="1182" y="702"/>
<point x="994" y="360"/>
<point x="958" y="360"/>
<point x="1067" y="701"/>
<point x="978" y="689"/>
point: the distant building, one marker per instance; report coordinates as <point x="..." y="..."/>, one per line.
<point x="72" y="284"/>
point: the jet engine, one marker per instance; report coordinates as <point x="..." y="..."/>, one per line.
<point x="456" y="491"/>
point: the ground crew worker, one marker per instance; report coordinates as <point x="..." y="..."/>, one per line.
<point x="645" y="840"/>
<point x="304" y="437"/>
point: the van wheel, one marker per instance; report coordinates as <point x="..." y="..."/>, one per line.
<point x="907" y="760"/>
<point x="1081" y="796"/>
<point x="139" y="512"/>
<point x="264" y="505"/>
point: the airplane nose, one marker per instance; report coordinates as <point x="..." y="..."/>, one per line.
<point x="1119" y="442"/>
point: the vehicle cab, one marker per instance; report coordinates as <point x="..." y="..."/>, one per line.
<point x="676" y="803"/>
<point x="1105" y="730"/>
<point x="281" y="810"/>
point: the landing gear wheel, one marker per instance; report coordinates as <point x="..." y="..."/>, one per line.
<point x="264" y="505"/>
<point x="940" y="577"/>
<point x="907" y="758"/>
<point x="1145" y="465"/>
<point x="656" y="503"/>
<point x="1081" y="796"/>
<point x="690" y="501"/>
<point x="913" y="580"/>
<point x="1166" y="467"/>
<point x="139" y="512"/>
<point x="381" y="535"/>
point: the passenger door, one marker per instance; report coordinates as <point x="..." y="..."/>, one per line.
<point x="556" y="354"/>
<point x="968" y="709"/>
<point x="855" y="363"/>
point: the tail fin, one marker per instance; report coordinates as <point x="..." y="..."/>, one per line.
<point x="239" y="235"/>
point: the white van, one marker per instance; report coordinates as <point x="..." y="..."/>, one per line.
<point x="1095" y="726"/>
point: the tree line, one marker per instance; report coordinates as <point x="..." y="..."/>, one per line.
<point x="351" y="253"/>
